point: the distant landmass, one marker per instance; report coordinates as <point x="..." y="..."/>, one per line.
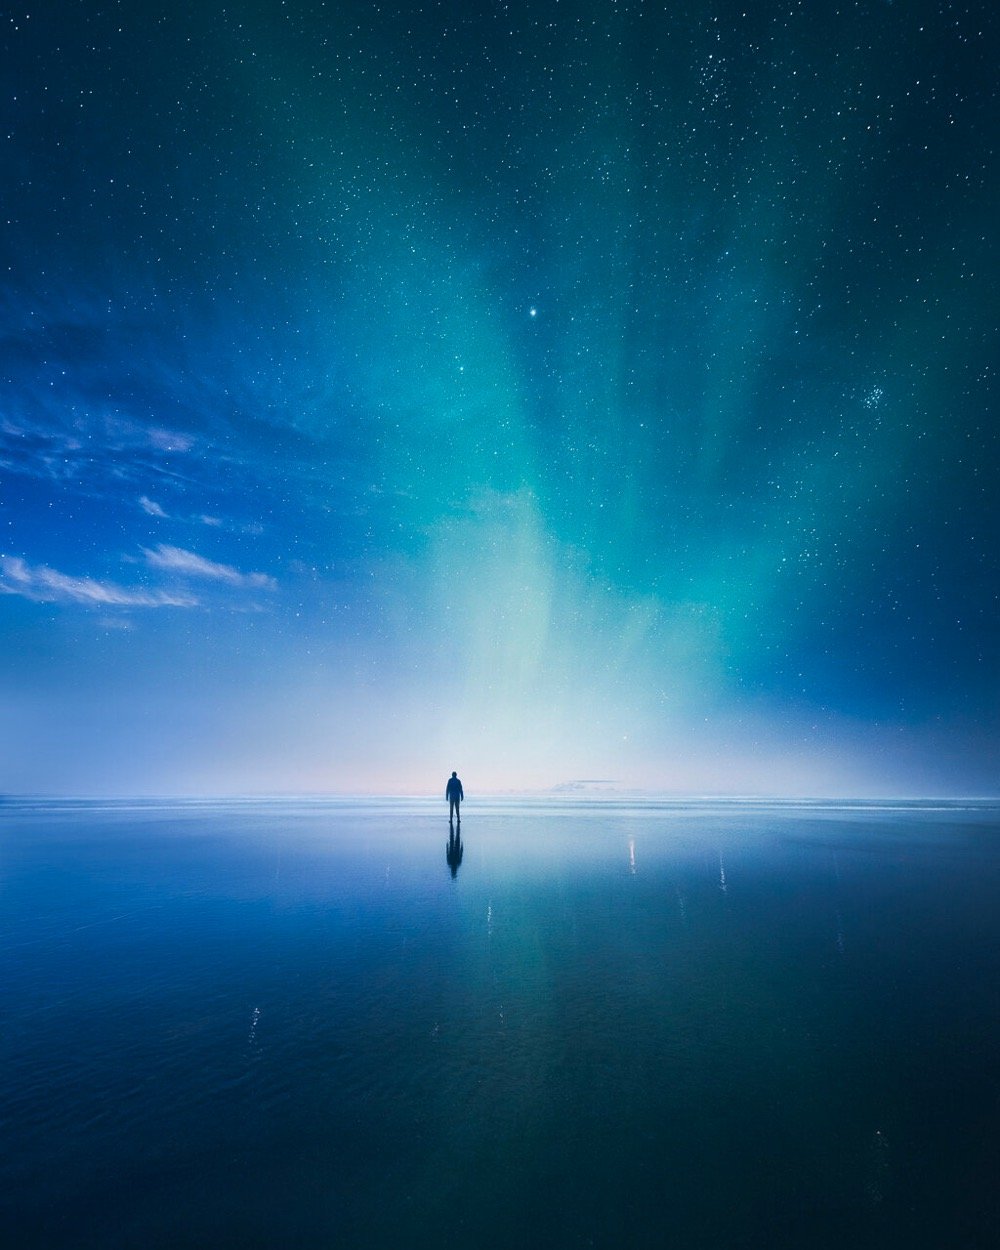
<point x="586" y="785"/>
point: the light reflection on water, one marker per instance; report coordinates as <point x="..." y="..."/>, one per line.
<point x="300" y="1023"/>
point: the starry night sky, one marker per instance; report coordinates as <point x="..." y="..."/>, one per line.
<point x="546" y="390"/>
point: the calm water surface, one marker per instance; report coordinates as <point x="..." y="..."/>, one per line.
<point x="683" y="1025"/>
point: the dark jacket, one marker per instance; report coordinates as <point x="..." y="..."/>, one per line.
<point x="453" y="790"/>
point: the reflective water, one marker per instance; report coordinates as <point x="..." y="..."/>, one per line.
<point x="325" y="1024"/>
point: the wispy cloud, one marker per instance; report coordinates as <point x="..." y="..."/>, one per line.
<point x="169" y="440"/>
<point x="44" y="585"/>
<point x="190" y="564"/>
<point x="77" y="442"/>
<point x="157" y="510"/>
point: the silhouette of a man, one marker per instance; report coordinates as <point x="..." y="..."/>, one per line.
<point x="454" y="793"/>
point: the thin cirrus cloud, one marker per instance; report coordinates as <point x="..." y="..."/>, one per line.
<point x="190" y="564"/>
<point x="169" y="440"/>
<point x="152" y="508"/>
<point x="44" y="585"/>
<point x="157" y="510"/>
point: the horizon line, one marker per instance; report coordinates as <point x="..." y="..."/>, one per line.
<point x="558" y="793"/>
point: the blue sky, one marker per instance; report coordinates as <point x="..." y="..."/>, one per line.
<point x="543" y="391"/>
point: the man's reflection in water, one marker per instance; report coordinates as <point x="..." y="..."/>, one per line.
<point x="454" y="852"/>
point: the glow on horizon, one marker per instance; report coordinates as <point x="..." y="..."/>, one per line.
<point x="524" y="674"/>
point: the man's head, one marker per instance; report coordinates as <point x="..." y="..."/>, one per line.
<point x="454" y="774"/>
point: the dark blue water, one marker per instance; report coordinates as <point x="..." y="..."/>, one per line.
<point x="256" y="1024"/>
